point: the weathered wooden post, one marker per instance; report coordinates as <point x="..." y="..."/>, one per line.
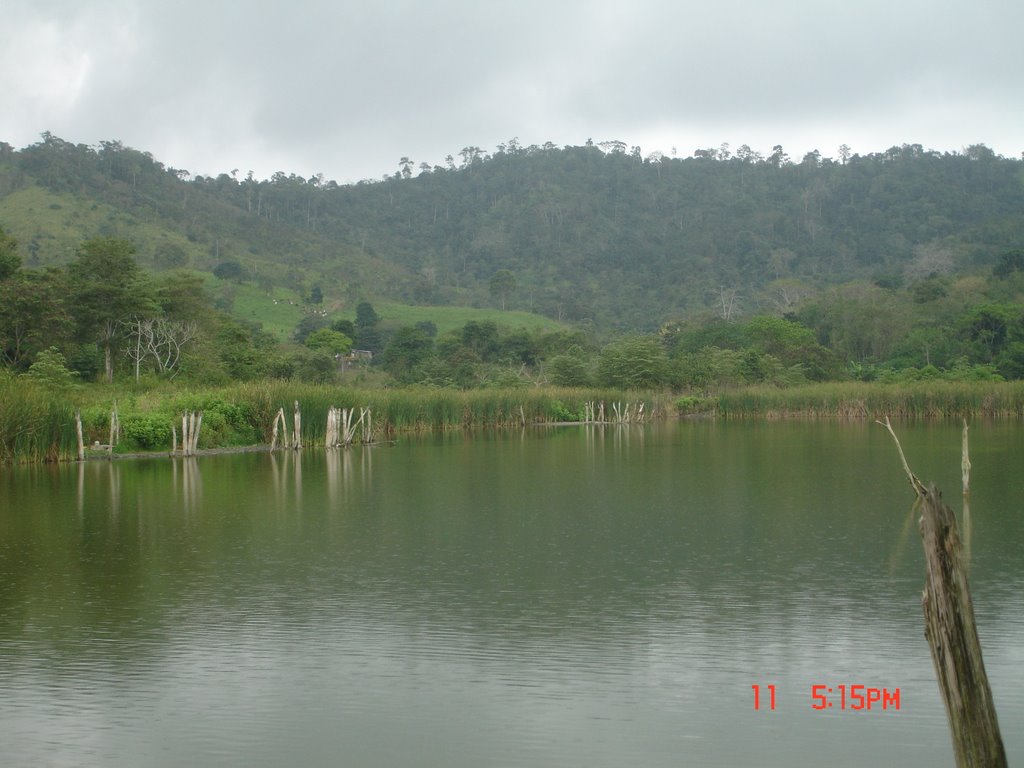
<point x="953" y="638"/>
<point x="115" y="430"/>
<point x="184" y="433"/>
<point x="328" y="437"/>
<point x="951" y="631"/>
<point x="78" y="434"/>
<point x="366" y="418"/>
<point x="297" y="428"/>
<point x="191" y="423"/>
<point x="195" y="432"/>
<point x="279" y="419"/>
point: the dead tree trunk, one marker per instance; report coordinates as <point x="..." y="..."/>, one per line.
<point x="953" y="638"/>
<point x="191" y="423"/>
<point x="279" y="419"/>
<point x="115" y="430"/>
<point x="78" y="434"/>
<point x="951" y="632"/>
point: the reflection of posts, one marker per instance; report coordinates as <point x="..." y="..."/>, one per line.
<point x="951" y="631"/>
<point x="192" y="485"/>
<point x="965" y="468"/>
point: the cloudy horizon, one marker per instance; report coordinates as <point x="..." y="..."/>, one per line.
<point x="347" y="88"/>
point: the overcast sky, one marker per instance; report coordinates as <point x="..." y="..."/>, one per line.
<point x="346" y="88"/>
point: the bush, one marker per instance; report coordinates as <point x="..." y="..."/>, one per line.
<point x="560" y="412"/>
<point x="50" y="370"/>
<point x="147" y="432"/>
<point x="690" y="404"/>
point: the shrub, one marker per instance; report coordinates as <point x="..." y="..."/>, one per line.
<point x="560" y="412"/>
<point x="150" y="431"/>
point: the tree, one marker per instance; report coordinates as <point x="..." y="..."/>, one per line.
<point x="50" y="369"/>
<point x="778" y="157"/>
<point x="169" y="256"/>
<point x="161" y="339"/>
<point x="481" y="338"/>
<point x="107" y="287"/>
<point x="502" y="283"/>
<point x="33" y="316"/>
<point x="229" y="270"/>
<point x="1009" y="262"/>
<point x="987" y="328"/>
<point x="330" y="341"/>
<point x="569" y="370"/>
<point x="409" y="347"/>
<point x="346" y="327"/>
<point x="308" y="325"/>
<point x="10" y="262"/>
<point x="634" y="363"/>
<point x="367" y="327"/>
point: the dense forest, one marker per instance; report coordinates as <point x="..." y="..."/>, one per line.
<point x="726" y="267"/>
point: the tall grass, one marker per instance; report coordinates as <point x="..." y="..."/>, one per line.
<point x="858" y="400"/>
<point x="422" y="409"/>
<point x="36" y="424"/>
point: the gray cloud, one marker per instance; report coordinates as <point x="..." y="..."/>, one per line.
<point x="346" y="88"/>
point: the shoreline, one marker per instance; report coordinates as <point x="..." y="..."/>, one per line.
<point x="39" y="426"/>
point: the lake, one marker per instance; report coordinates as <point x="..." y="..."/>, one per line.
<point x="566" y="596"/>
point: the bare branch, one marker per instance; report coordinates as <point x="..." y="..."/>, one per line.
<point x="916" y="484"/>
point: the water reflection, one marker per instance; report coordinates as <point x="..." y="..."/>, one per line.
<point x="187" y="484"/>
<point x="597" y="595"/>
<point x="966" y="527"/>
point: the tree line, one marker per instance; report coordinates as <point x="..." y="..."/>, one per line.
<point x="103" y="318"/>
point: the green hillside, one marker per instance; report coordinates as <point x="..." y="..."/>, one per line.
<point x="532" y="266"/>
<point x="595" y="234"/>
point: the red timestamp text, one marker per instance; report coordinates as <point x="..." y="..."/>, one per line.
<point x="860" y="698"/>
<point x="757" y="696"/>
<point x="856" y="697"/>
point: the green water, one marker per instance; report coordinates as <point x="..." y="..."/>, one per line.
<point x="577" y="596"/>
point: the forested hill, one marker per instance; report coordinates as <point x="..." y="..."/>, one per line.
<point x="598" y="233"/>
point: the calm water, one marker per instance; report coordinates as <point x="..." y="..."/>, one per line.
<point x="564" y="597"/>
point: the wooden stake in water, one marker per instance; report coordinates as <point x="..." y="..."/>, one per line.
<point x="951" y="631"/>
<point x="78" y="431"/>
<point x="115" y="430"/>
<point x="279" y="419"/>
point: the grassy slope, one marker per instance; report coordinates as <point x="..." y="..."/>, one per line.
<point x="282" y="310"/>
<point x="49" y="227"/>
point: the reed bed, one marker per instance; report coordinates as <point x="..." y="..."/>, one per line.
<point x="36" y="424"/>
<point x="425" y="409"/>
<point x="858" y="400"/>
